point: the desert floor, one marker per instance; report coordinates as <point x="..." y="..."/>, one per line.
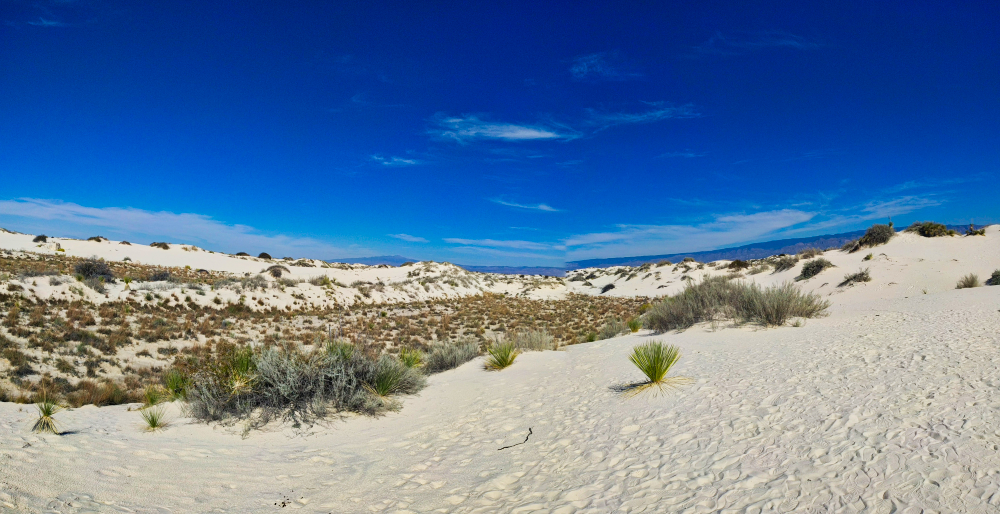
<point x="886" y="405"/>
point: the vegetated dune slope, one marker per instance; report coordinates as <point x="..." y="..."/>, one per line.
<point x="887" y="405"/>
<point x="909" y="264"/>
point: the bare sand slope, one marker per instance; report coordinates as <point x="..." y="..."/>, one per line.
<point x="888" y="405"/>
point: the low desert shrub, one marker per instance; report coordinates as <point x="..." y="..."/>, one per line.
<point x="94" y="268"/>
<point x="970" y="280"/>
<point x="809" y="253"/>
<point x="612" y="328"/>
<point x="929" y="229"/>
<point x="445" y="356"/>
<point x="973" y="231"/>
<point x="738" y="265"/>
<point x="607" y="287"/>
<point x="853" y="278"/>
<point x="813" y="268"/>
<point x="876" y="234"/>
<point x="501" y="355"/>
<point x="264" y="255"/>
<point x="40" y="239"/>
<point x="277" y="270"/>
<point x="162" y="246"/>
<point x="264" y="384"/>
<point x="242" y="254"/>
<point x="786" y="262"/>
<point x="159" y="276"/>
<point x="718" y="298"/>
<point x="994" y="278"/>
<point x="634" y="324"/>
<point x="96" y="284"/>
<point x="176" y="384"/>
<point x="533" y="340"/>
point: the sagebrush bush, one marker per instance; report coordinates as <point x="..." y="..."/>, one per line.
<point x="607" y="287"/>
<point x="970" y="280"/>
<point x="809" y="253"/>
<point x="813" y="268"/>
<point x="852" y="278"/>
<point x="94" y="268"/>
<point x="994" y="278"/>
<point x="159" y="276"/>
<point x="612" y="328"/>
<point x="264" y="255"/>
<point x="717" y="298"/>
<point x="738" y="265"/>
<point x="929" y="229"/>
<point x="40" y="239"/>
<point x="272" y="383"/>
<point x="876" y="234"/>
<point x="162" y="246"/>
<point x="785" y="262"/>
<point x="445" y="356"/>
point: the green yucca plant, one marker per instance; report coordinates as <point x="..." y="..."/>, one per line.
<point x="411" y="358"/>
<point x="501" y="356"/>
<point x="389" y="377"/>
<point x="153" y="396"/>
<point x="155" y="418"/>
<point x="45" y="423"/>
<point x="654" y="359"/>
<point x="176" y="384"/>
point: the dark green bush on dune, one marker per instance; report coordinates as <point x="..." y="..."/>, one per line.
<point x="929" y="229"/>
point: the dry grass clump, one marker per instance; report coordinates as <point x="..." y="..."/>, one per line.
<point x="501" y="355"/>
<point x="533" y="340"/>
<point x="929" y="229"/>
<point x="970" y="280"/>
<point x="717" y="298"/>
<point x="813" y="268"/>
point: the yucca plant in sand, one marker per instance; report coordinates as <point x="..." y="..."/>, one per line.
<point x="45" y="422"/>
<point x="654" y="359"/>
<point x="501" y="356"/>
<point x="154" y="417"/>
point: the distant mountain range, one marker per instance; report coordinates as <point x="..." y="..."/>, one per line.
<point x="750" y="251"/>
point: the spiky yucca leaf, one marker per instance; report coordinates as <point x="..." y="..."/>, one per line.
<point x="155" y="418"/>
<point x="411" y="358"/>
<point x="45" y="423"/>
<point x="501" y="356"/>
<point x="654" y="359"/>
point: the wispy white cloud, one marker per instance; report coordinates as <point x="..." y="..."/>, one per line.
<point x="408" y="238"/>
<point x="495" y="243"/>
<point x="686" y="154"/>
<point x="534" y="207"/>
<point x="720" y="44"/>
<point x="42" y="22"/>
<point x="658" y="111"/>
<point x="601" y="66"/>
<point x="394" y="161"/>
<point x="471" y="127"/>
<point x="62" y="218"/>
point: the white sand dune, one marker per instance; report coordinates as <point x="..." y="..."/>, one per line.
<point x="889" y="404"/>
<point x="885" y="406"/>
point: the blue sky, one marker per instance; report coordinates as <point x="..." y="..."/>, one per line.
<point x="528" y="133"/>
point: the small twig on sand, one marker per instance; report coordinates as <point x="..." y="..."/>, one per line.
<point x="518" y="444"/>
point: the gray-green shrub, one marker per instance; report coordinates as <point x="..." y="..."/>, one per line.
<point x="445" y="356"/>
<point x="813" y="268"/>
<point x="717" y="298"/>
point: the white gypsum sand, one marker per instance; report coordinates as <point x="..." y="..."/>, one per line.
<point x="887" y="405"/>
